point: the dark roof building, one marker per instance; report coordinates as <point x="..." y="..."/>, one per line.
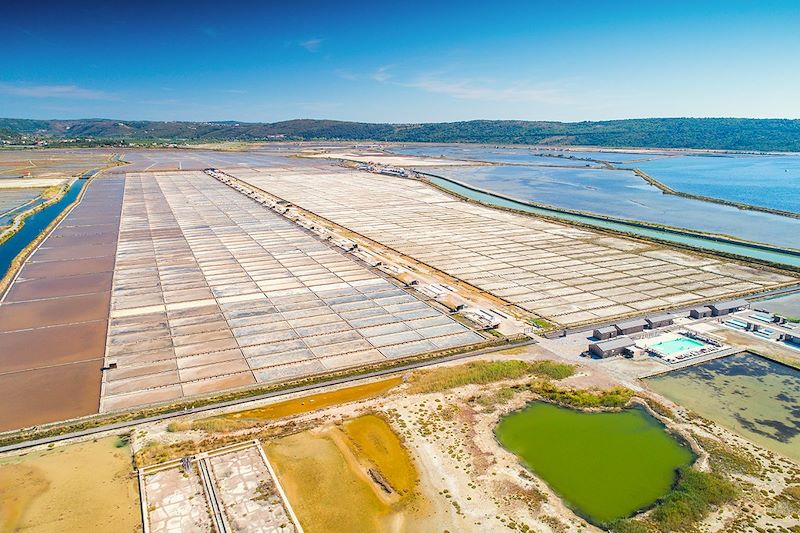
<point x="605" y="333"/>
<point x="724" y="308"/>
<point x="630" y="326"/>
<point x="659" y="321"/>
<point x="611" y="347"/>
<point x="700" y="312"/>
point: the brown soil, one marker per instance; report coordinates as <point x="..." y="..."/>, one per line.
<point x="87" y="487"/>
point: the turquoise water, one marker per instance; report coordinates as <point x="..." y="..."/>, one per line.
<point x="764" y="180"/>
<point x="677" y="345"/>
<point x="689" y="240"/>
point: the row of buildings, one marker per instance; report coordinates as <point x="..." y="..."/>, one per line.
<point x="613" y="340"/>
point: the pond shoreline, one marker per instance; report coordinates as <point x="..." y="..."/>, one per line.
<point x="699" y="461"/>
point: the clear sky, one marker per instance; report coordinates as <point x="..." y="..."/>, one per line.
<point x="403" y="61"/>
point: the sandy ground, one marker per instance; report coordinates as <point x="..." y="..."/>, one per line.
<point x="382" y="158"/>
<point x="24" y="183"/>
<point x="87" y="486"/>
<point x="472" y="484"/>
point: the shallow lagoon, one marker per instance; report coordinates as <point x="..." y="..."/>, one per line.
<point x="755" y="397"/>
<point x="532" y="156"/>
<point x="767" y="181"/>
<point x="604" y="465"/>
<point x="515" y="156"/>
<point x="622" y="194"/>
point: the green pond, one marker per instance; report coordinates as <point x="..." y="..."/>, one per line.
<point x="604" y="466"/>
<point x="757" y="398"/>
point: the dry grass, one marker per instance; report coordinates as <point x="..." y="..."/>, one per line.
<point x="484" y="372"/>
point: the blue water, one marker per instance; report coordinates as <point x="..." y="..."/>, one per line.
<point x="514" y="156"/>
<point x="622" y="194"/>
<point x="763" y="180"/>
<point x="695" y="241"/>
<point x="34" y="225"/>
<point x="600" y="155"/>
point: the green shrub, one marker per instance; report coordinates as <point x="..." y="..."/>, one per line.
<point x="551" y="369"/>
<point x="729" y="460"/>
<point x="629" y="526"/>
<point x="615" y="397"/>
<point x="695" y="495"/>
<point x="484" y="372"/>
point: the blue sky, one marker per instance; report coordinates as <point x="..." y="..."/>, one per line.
<point x="399" y="61"/>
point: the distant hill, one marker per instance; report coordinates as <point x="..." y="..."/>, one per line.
<point x="708" y="133"/>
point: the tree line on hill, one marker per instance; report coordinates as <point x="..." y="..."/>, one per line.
<point x="702" y="133"/>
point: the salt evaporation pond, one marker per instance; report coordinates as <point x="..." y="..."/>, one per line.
<point x="622" y="194"/>
<point x="765" y="180"/>
<point x="757" y="398"/>
<point x="605" y="466"/>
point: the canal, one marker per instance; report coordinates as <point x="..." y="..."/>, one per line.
<point x="35" y="224"/>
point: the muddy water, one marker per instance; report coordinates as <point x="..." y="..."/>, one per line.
<point x="54" y="316"/>
<point x="34" y="348"/>
<point x="753" y="396"/>
<point x="49" y="394"/>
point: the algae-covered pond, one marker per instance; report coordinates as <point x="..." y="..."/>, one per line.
<point x="605" y="466"/>
<point x="753" y="396"/>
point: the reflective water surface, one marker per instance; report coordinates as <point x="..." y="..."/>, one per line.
<point x="753" y="396"/>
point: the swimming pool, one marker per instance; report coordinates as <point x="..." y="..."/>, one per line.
<point x="673" y="346"/>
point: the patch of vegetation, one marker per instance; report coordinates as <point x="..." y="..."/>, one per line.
<point x="552" y="370"/>
<point x="694" y="497"/>
<point x="177" y="427"/>
<point x="696" y="494"/>
<point x="791" y="497"/>
<point x="729" y="460"/>
<point x="498" y="397"/>
<point x="265" y="492"/>
<point x="222" y="425"/>
<point x="122" y="441"/>
<point x="484" y="372"/>
<point x="630" y="526"/>
<point x="615" y="397"/>
<point x="540" y="323"/>
<point x="153" y="453"/>
<point x="659" y="408"/>
<point x="216" y="424"/>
